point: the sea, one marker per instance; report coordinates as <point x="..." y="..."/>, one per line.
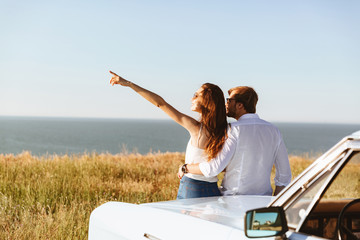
<point x="50" y="135"/>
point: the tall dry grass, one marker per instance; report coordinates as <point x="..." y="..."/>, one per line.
<point x="51" y="197"/>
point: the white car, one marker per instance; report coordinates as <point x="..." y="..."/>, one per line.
<point x="323" y="202"/>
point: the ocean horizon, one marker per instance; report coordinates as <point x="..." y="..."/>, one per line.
<point x="64" y="135"/>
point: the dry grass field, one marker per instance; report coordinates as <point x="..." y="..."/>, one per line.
<point x="51" y="197"/>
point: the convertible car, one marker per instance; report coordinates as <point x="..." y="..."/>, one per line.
<point x="323" y="202"/>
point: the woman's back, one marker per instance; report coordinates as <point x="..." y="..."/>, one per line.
<point x="200" y="138"/>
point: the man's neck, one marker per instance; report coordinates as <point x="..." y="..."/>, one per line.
<point x="240" y="115"/>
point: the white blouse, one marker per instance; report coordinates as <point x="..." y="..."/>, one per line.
<point x="197" y="155"/>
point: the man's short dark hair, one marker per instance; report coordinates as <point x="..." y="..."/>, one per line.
<point x="247" y="96"/>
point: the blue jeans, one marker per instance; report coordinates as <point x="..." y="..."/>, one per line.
<point x="191" y="188"/>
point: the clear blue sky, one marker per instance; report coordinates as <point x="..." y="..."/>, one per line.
<point x="302" y="57"/>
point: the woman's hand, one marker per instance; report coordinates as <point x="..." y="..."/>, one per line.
<point x="180" y="173"/>
<point x="116" y="79"/>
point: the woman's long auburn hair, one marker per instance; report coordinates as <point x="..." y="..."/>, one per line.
<point x="213" y="118"/>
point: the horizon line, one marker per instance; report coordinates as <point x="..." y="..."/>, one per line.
<point x="160" y="119"/>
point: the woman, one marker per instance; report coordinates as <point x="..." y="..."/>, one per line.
<point x="207" y="135"/>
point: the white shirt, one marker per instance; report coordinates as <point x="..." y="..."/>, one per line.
<point x="252" y="148"/>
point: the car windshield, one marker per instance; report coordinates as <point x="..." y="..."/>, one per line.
<point x="297" y="210"/>
<point x="321" y="219"/>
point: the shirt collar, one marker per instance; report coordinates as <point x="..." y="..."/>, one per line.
<point x="249" y="116"/>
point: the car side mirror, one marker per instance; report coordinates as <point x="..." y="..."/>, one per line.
<point x="265" y="222"/>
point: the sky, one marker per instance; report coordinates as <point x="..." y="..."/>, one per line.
<point x="302" y="57"/>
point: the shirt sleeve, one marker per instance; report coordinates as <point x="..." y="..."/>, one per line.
<point x="217" y="165"/>
<point x="282" y="166"/>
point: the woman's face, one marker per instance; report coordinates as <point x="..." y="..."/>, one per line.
<point x="196" y="101"/>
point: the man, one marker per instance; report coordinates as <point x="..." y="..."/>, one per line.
<point x="252" y="148"/>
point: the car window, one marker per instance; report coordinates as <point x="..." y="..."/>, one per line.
<point x="322" y="220"/>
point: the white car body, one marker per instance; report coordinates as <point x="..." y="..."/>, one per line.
<point x="223" y="217"/>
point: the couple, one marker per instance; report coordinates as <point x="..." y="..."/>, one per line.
<point x="246" y="149"/>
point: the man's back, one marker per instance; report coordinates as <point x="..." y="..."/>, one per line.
<point x="259" y="146"/>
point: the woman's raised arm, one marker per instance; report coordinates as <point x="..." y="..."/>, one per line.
<point x="186" y="121"/>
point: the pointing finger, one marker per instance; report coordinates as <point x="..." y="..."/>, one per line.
<point x="113" y="73"/>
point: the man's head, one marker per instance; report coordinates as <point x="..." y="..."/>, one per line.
<point x="241" y="100"/>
